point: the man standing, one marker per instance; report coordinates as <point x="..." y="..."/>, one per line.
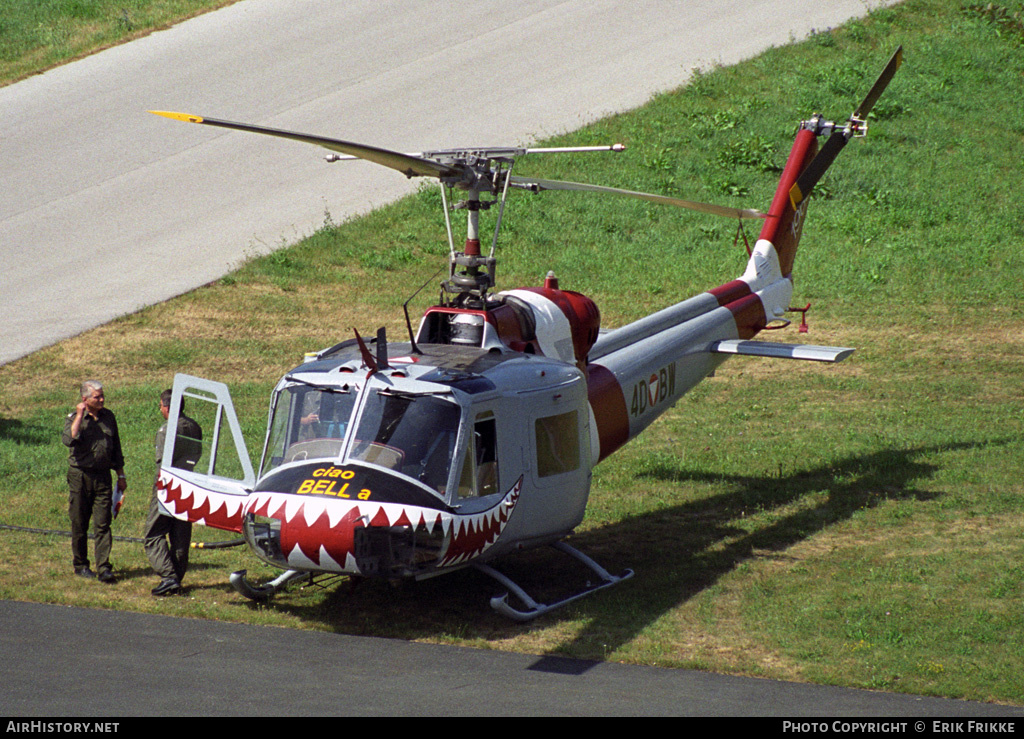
<point x="91" y="435"/>
<point x="167" y="539"/>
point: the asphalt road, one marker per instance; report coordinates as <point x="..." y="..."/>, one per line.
<point x="73" y="662"/>
<point x="105" y="208"/>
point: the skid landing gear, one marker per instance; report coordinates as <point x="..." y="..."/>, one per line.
<point x="533" y="608"/>
<point x="265" y="591"/>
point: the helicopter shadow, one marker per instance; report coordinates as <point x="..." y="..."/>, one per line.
<point x="681" y="551"/>
<point x="677" y="552"/>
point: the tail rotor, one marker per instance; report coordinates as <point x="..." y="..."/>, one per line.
<point x="856" y="126"/>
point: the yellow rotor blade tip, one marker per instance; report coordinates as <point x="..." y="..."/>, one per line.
<point x="185" y="117"/>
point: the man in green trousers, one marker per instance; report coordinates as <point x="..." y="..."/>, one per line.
<point x="91" y="435"/>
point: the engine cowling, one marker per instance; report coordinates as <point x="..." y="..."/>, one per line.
<point x="566" y="322"/>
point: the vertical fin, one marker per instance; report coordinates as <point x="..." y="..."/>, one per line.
<point x="785" y="221"/>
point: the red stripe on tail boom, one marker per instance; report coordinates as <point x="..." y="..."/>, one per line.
<point x="749" y="315"/>
<point x="730" y="291"/>
<point x="609" y="406"/>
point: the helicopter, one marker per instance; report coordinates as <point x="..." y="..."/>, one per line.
<point x="476" y="438"/>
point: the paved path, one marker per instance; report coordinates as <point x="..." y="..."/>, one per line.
<point x="105" y="208"/>
<point x="75" y="662"/>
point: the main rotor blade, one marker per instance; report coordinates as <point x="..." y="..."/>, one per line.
<point x="410" y="166"/>
<point x="717" y="210"/>
<point x="880" y="84"/>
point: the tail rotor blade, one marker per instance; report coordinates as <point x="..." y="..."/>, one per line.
<point x="817" y="168"/>
<point x="856" y="125"/>
<point x="880" y="84"/>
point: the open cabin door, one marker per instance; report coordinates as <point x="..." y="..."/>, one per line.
<point x="205" y="470"/>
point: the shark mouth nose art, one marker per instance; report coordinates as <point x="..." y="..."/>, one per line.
<point x="367" y="537"/>
<point x="344" y="536"/>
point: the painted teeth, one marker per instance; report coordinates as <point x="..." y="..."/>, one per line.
<point x="189" y="502"/>
<point x="288" y="508"/>
<point x="298" y="559"/>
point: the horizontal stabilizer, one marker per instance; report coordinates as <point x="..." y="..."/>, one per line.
<point x="781" y="351"/>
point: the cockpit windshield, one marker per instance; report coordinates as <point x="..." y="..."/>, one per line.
<point x="309" y="422"/>
<point x="413" y="434"/>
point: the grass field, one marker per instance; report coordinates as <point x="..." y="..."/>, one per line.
<point x="38" y="34"/>
<point x="858" y="525"/>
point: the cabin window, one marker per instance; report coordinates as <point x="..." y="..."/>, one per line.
<point x="558" y="444"/>
<point x="308" y="423"/>
<point x="480" y="466"/>
<point x="188" y="441"/>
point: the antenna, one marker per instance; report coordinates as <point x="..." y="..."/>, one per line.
<point x="382" y="349"/>
<point x="405" y="309"/>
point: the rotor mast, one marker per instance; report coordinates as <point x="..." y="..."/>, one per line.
<point x="491" y="169"/>
<point x="477" y="275"/>
<point x="491" y="174"/>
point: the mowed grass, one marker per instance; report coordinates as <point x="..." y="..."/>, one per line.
<point x="856" y="525"/>
<point x="38" y="34"/>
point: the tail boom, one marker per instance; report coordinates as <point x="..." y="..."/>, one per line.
<point x="638" y="371"/>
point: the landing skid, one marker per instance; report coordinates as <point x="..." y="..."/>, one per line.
<point x="265" y="591"/>
<point x="533" y="608"/>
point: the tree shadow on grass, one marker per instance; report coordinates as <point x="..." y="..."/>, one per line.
<point x="20" y="432"/>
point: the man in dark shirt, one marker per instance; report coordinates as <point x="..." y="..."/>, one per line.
<point x="91" y="435"/>
<point x="167" y="539"/>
